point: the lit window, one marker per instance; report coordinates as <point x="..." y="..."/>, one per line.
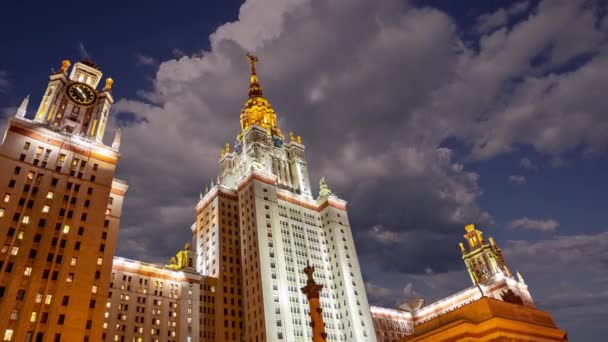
<point x="74" y="261"/>
<point x="62" y="157"/>
<point x="70" y="278"/>
<point x="66" y="229"/>
<point x="26" y="146"/>
<point x="1" y="212"/>
<point x="14" y="315"/>
<point x="20" y="235"/>
<point x="99" y="261"/>
<point x="8" y="335"/>
<point x="26" y="219"/>
<point x="105" y="325"/>
<point x="46" y="209"/>
<point x="14" y="250"/>
<point x="5" y="249"/>
<point x="34" y="317"/>
<point x="107" y="314"/>
<point x="30" y="175"/>
<point x="39" y="298"/>
<point x="94" y="289"/>
<point x="49" y="299"/>
<point x="27" y="272"/>
<point x="49" y="195"/>
<point x="7" y="197"/>
<point x="39" y="150"/>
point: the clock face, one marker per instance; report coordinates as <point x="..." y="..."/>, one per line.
<point x="81" y="93"/>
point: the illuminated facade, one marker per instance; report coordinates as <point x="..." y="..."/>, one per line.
<point x="59" y="211"/>
<point x="491" y="279"/>
<point x="489" y="319"/>
<point x="259" y="225"/>
<point x="154" y="303"/>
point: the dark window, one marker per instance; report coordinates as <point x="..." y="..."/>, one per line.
<point x="22" y="157"/>
<point x="61" y="319"/>
<point x="80" y="230"/>
<point x="77" y="246"/>
<point x="90" y="191"/>
<point x="41" y="223"/>
<point x="65" y="301"/>
<point x="33" y="253"/>
<point x="11" y="183"/>
<point x="20" y="294"/>
<point x="54" y="181"/>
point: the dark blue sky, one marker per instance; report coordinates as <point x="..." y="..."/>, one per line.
<point x="520" y="77"/>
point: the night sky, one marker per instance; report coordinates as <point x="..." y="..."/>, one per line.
<point x="424" y="116"/>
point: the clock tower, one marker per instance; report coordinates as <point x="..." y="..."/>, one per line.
<point x="72" y="103"/>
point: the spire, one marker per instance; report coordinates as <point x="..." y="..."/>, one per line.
<point x="257" y="110"/>
<point x="23" y="107"/>
<point x="520" y="278"/>
<point x="117" y="138"/>
<point x="254" y="86"/>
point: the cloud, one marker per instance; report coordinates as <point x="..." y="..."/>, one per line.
<point x="82" y="51"/>
<point x="517" y="179"/>
<point x="527" y="164"/>
<point x="145" y="60"/>
<point x="373" y="101"/>
<point x="178" y="53"/>
<point x="546" y="225"/>
<point x="5" y="84"/>
<point x="491" y="21"/>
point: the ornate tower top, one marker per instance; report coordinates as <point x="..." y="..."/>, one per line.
<point x="483" y="260"/>
<point x="257" y="110"/>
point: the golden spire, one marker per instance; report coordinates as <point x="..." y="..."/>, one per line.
<point x="257" y="110"/>
<point x="254" y="86"/>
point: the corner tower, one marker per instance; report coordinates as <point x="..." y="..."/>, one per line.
<point x="483" y="260"/>
<point x="60" y="208"/>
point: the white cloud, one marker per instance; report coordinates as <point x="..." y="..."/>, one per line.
<point x="527" y="164"/>
<point x="544" y="225"/>
<point x="491" y="21"/>
<point x="145" y="60"/>
<point x="517" y="179"/>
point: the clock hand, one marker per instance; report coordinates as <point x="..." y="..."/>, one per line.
<point x="81" y="92"/>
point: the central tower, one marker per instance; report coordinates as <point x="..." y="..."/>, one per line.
<point x="259" y="225"/>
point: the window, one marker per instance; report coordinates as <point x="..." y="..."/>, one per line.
<point x="27" y="145"/>
<point x="1" y="212"/>
<point x="8" y="335"/>
<point x="46" y="209"/>
<point x="27" y="272"/>
<point x="65" y="301"/>
<point x="66" y="229"/>
<point x="74" y="261"/>
<point x="99" y="261"/>
<point x="7" y="197"/>
<point x="48" y="299"/>
<point x="94" y="289"/>
<point x="70" y="278"/>
<point x="61" y="319"/>
<point x="15" y="250"/>
<point x="25" y="219"/>
<point x="14" y="315"/>
<point x="31" y="175"/>
<point x="39" y="298"/>
<point x="49" y="195"/>
<point x="34" y="317"/>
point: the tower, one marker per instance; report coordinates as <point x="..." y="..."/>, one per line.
<point x="483" y="260"/>
<point x="59" y="212"/>
<point x="311" y="290"/>
<point x="260" y="224"/>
